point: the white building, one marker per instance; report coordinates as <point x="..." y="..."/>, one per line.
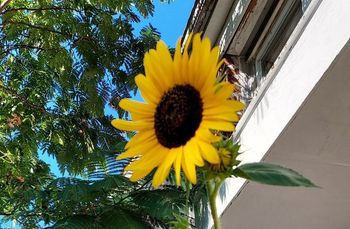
<point x="296" y="56"/>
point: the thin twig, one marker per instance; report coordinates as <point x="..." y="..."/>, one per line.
<point x="22" y="46"/>
<point x="4" y="4"/>
<point x="38" y="9"/>
<point x="39" y="27"/>
<point x="21" y="97"/>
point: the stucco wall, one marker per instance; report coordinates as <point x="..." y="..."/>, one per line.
<point x="320" y="42"/>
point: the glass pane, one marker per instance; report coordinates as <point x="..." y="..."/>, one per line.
<point x="305" y="4"/>
<point x="280" y="38"/>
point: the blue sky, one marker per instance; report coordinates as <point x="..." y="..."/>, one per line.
<point x="170" y="20"/>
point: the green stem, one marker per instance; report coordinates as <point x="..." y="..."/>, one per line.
<point x="213" y="191"/>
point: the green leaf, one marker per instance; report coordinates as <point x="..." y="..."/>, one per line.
<point x="122" y="219"/>
<point x="181" y="222"/>
<point x="112" y="182"/>
<point x="76" y="192"/>
<point x="272" y="175"/>
<point x="161" y="204"/>
<point x="77" y="222"/>
<point x="199" y="200"/>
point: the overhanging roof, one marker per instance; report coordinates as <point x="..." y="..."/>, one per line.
<point x="315" y="143"/>
<point x="300" y="119"/>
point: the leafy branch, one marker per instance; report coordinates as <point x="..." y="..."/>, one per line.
<point x="38" y="9"/>
<point x="22" y="98"/>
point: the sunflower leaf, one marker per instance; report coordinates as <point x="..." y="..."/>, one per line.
<point x="272" y="175"/>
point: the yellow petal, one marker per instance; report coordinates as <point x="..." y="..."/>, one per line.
<point x="150" y="159"/>
<point x="236" y="105"/>
<point x="205" y="47"/>
<point x="148" y="91"/>
<point x="163" y="170"/>
<point x="195" y="63"/>
<point x="177" y="165"/>
<point x="139" y="149"/>
<point x="225" y="90"/>
<point x="177" y="62"/>
<point x="144" y="166"/>
<point x="138" y="110"/>
<point x="131" y="125"/>
<point x="141" y="137"/>
<point x="138" y="107"/>
<point x="205" y="135"/>
<point x="128" y="154"/>
<point x="160" y="175"/>
<point x="164" y="53"/>
<point x="200" y="65"/>
<point x="230" y="117"/>
<point x="189" y="169"/>
<point x="184" y="60"/>
<point x="188" y="42"/>
<point x="139" y="174"/>
<point x="191" y="151"/>
<point x="218" y="125"/>
<point x="211" y="68"/>
<point x="209" y="153"/>
<point x="157" y="71"/>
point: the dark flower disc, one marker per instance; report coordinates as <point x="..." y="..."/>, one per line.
<point x="178" y="116"/>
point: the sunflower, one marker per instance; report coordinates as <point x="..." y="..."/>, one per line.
<point x="182" y="104"/>
<point x="225" y="160"/>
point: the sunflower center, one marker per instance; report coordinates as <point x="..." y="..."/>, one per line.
<point x="178" y="116"/>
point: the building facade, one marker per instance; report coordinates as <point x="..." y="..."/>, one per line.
<point x="291" y="62"/>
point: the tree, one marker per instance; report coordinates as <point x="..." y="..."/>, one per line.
<point x="62" y="63"/>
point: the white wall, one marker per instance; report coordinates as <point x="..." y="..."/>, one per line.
<point x="324" y="36"/>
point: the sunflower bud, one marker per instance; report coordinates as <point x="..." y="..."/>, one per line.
<point x="228" y="153"/>
<point x="225" y="161"/>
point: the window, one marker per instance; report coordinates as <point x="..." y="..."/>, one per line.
<point x="264" y="44"/>
<point x="277" y="35"/>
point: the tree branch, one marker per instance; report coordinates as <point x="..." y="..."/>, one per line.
<point x="112" y="12"/>
<point x="40" y="27"/>
<point x="22" y="46"/>
<point x="5" y="214"/>
<point x="67" y="35"/>
<point x="4" y="4"/>
<point x="38" y="9"/>
<point x="22" y="98"/>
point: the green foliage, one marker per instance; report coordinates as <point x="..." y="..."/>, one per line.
<point x="170" y="202"/>
<point x="77" y="222"/>
<point x="75" y="203"/>
<point x="123" y="218"/>
<point x="199" y="201"/>
<point x="62" y="63"/>
<point x="271" y="174"/>
<point x="180" y="222"/>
